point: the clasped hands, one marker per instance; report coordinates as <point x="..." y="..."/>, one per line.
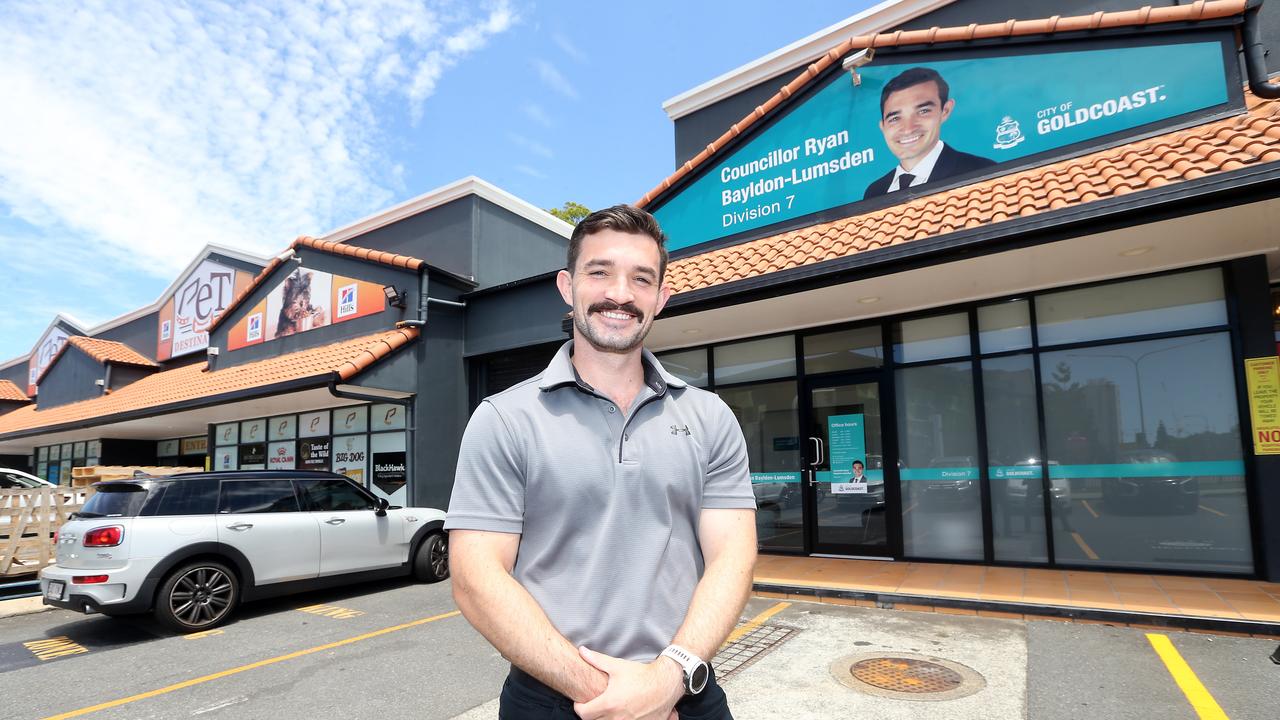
<point x="635" y="690"/>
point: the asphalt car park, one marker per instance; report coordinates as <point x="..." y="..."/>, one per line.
<point x="399" y="649"/>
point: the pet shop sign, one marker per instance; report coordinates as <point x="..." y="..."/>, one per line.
<point x="198" y="301"/>
<point x="305" y="300"/>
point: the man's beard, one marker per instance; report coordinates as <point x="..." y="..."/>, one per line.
<point x="615" y="344"/>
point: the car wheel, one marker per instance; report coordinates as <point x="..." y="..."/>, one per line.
<point x="197" y="596"/>
<point x="431" y="562"/>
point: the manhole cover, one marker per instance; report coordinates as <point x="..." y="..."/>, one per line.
<point x="907" y="677"/>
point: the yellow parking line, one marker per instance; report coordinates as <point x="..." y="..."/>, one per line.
<point x="250" y="666"/>
<point x="913" y="507"/>
<point x="1089" y="507"/>
<point x="1084" y="546"/>
<point x="1205" y="706"/>
<point x="1219" y="513"/>
<point x="55" y="647"/>
<point x="755" y="622"/>
<point x="198" y="635"/>
<point x="332" y="611"/>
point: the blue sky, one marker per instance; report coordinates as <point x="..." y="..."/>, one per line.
<point x="135" y="133"/>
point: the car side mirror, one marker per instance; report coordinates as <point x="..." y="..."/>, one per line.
<point x="382" y="507"/>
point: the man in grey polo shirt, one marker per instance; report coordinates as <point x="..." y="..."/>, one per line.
<point x="602" y="528"/>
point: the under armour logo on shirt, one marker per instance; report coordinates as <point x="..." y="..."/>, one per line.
<point x="680" y="430"/>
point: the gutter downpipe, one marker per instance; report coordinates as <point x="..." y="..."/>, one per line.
<point x="1255" y="54"/>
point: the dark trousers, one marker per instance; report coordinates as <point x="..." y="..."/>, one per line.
<point x="525" y="698"/>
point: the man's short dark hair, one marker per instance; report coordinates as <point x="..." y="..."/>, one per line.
<point x="911" y="78"/>
<point x="625" y="219"/>
<point x="858" y="462"/>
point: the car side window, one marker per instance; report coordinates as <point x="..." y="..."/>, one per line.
<point x="198" y="496"/>
<point x="334" y="495"/>
<point x="257" y="496"/>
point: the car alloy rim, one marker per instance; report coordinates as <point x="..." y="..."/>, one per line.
<point x="201" y="596"/>
<point x="439" y="558"/>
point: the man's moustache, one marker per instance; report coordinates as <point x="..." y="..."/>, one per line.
<point x="610" y="306"/>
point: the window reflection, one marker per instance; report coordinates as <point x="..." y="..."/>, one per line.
<point x="938" y="446"/>
<point x="1147" y="437"/>
<point x="770" y="424"/>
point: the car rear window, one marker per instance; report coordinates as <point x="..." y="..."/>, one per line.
<point x="258" y="496"/>
<point x="197" y="496"/>
<point x="115" y="501"/>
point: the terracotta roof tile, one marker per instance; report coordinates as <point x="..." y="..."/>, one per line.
<point x="1199" y="10"/>
<point x="1230" y="144"/>
<point x="339" y="361"/>
<point x="331" y="247"/>
<point x="100" y="350"/>
<point x="9" y="392"/>
<point x="110" y="351"/>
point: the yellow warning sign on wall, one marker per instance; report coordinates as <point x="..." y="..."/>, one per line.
<point x="1263" y="376"/>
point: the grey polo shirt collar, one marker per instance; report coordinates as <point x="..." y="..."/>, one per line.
<point x="561" y="372"/>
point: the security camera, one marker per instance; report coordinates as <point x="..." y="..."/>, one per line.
<point x="857" y="60"/>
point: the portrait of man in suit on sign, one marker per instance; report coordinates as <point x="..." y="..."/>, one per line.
<point x="913" y="107"/>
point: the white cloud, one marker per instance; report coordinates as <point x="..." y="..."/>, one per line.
<point x="532" y="146"/>
<point x="145" y="130"/>
<point x="534" y="112"/>
<point x="553" y="79"/>
<point x="569" y="48"/>
<point x="531" y="172"/>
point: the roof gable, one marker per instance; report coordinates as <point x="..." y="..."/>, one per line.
<point x="680" y="181"/>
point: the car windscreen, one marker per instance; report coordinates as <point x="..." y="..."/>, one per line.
<point x="122" y="500"/>
<point x="10" y="481"/>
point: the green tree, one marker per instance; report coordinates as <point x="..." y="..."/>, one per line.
<point x="571" y="213"/>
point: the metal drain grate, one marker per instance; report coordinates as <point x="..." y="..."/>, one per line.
<point x="906" y="675"/>
<point x="752" y="646"/>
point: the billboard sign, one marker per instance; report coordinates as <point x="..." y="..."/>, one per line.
<point x="201" y="297"/>
<point x="44" y="353"/>
<point x="924" y="122"/>
<point x="305" y="300"/>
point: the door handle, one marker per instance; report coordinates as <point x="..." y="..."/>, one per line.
<point x="239" y="527"/>
<point x="335" y="521"/>
<point x="817" y="452"/>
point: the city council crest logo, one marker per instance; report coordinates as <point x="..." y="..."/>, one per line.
<point x="1008" y="134"/>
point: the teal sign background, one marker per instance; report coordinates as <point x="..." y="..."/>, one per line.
<point x="847" y="438"/>
<point x="826" y="151"/>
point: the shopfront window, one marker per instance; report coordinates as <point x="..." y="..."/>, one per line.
<point x="1004" y="326"/>
<point x="755" y="360"/>
<point x="1146" y="435"/>
<point x="688" y="365"/>
<point x="1138" y="307"/>
<point x="1014" y="466"/>
<point x="770" y="424"/>
<point x="931" y="338"/>
<point x="938" y="462"/>
<point x="854" y="349"/>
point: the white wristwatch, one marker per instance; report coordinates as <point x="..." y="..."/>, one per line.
<point x="696" y="671"/>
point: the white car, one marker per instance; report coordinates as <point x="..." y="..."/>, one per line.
<point x="11" y="479"/>
<point x="191" y="547"/>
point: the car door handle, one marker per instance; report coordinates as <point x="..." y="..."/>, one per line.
<point x="336" y="521"/>
<point x="240" y="526"/>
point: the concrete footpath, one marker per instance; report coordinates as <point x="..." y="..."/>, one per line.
<point x="794" y="677"/>
<point x="22" y="606"/>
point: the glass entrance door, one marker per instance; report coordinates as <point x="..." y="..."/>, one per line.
<point x="849" y="511"/>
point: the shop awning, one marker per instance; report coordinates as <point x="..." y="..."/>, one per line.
<point x="193" y="386"/>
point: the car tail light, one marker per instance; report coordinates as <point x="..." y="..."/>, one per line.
<point x="104" y="536"/>
<point x="88" y="579"/>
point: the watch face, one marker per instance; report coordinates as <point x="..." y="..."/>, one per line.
<point x="699" y="679"/>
